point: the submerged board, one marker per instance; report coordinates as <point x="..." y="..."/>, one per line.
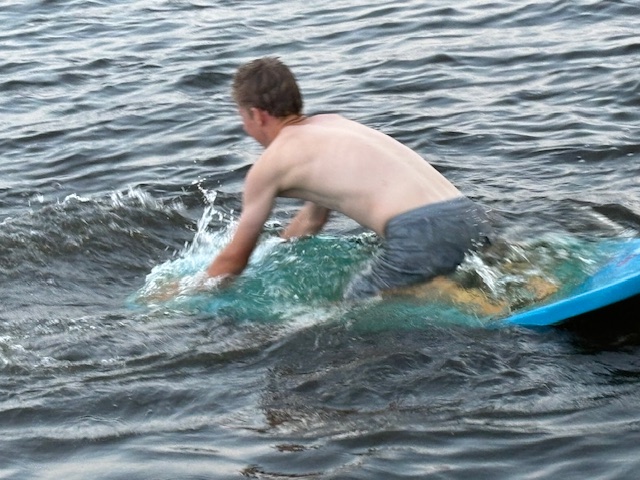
<point x="617" y="281"/>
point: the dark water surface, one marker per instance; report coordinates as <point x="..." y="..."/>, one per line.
<point x="122" y="160"/>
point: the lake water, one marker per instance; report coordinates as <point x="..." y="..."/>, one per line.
<point x="122" y="162"/>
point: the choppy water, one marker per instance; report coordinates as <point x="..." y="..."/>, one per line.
<point x="122" y="161"/>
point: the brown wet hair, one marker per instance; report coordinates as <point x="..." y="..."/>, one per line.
<point x="267" y="84"/>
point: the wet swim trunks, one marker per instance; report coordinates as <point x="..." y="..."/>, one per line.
<point x="421" y="244"/>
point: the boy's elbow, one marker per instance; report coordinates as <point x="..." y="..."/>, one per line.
<point x="316" y="225"/>
<point x="320" y="220"/>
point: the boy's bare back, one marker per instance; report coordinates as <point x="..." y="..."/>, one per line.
<point x="348" y="167"/>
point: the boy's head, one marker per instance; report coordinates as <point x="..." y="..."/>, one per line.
<point x="267" y="84"/>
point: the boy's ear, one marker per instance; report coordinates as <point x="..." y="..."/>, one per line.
<point x="259" y="115"/>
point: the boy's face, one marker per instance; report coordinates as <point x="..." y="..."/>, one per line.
<point x="251" y="123"/>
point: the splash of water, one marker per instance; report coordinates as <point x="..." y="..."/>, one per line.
<point x="304" y="279"/>
<point x="184" y="274"/>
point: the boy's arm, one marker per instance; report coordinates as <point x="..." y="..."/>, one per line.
<point x="308" y="221"/>
<point x="233" y="259"/>
<point x="258" y="198"/>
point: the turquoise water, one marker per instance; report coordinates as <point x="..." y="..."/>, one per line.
<point x="306" y="277"/>
<point x="122" y="162"/>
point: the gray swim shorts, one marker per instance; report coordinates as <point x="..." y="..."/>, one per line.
<point x="422" y="244"/>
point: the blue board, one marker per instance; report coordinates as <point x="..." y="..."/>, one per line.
<point x="617" y="281"/>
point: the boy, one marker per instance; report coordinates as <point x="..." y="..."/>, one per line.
<point x="337" y="164"/>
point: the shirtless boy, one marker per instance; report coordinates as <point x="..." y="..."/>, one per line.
<point x="425" y="223"/>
